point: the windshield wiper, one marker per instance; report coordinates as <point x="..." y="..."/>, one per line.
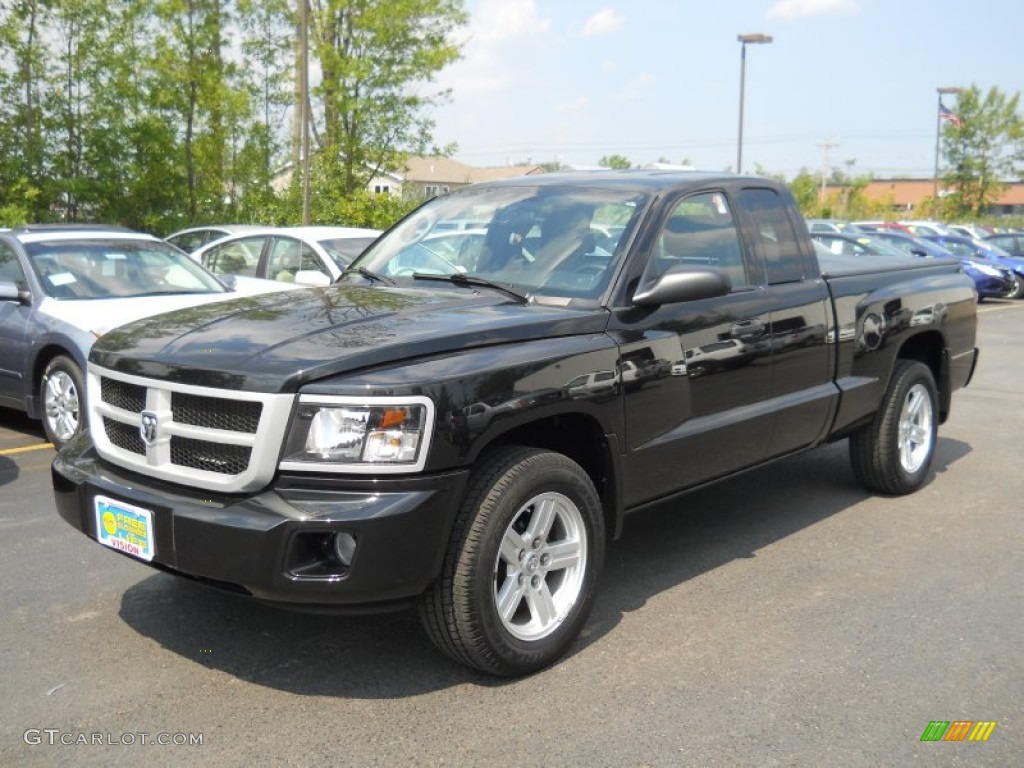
<point x="466" y="281"/>
<point x="369" y="274"/>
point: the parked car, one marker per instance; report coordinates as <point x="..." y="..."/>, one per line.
<point x="832" y="225"/>
<point x="1011" y="242"/>
<point x="970" y="230"/>
<point x="991" y="279"/>
<point x="877" y="225"/>
<point x="912" y="245"/>
<point x="986" y="253"/>
<point x="855" y="245"/>
<point x="305" y="255"/>
<point x="194" y="238"/>
<point x="920" y="227"/>
<point x="61" y="288"/>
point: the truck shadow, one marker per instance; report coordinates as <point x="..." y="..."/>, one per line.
<point x="388" y="656"/>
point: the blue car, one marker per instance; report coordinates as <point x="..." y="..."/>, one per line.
<point x="991" y="279"/>
<point x="974" y="248"/>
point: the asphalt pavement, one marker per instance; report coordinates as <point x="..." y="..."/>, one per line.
<point x="782" y="618"/>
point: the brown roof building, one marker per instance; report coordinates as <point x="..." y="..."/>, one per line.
<point x="907" y="194"/>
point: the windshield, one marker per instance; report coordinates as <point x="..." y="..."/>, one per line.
<point x="116" y="268"/>
<point x="549" y="241"/>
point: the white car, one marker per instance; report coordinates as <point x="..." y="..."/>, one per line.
<point x="193" y="238"/>
<point x="62" y="287"/>
<point x="304" y="255"/>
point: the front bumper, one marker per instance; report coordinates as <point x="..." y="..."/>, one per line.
<point x="276" y="545"/>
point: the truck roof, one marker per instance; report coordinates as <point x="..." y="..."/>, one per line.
<point x="639" y="179"/>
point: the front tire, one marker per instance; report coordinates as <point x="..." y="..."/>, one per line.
<point x="520" y="575"/>
<point x="62" y="396"/>
<point x="894" y="453"/>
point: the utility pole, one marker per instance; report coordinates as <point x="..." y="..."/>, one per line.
<point x="305" y="104"/>
<point x="825" y="147"/>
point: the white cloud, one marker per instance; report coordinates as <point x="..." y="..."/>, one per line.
<point x="796" y="9"/>
<point x="604" y="22"/>
<point x="632" y="89"/>
<point x="576" y="105"/>
<point x="498" y="20"/>
<point x="484" y="67"/>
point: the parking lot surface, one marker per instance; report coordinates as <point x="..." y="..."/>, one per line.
<point x="785" y="617"/>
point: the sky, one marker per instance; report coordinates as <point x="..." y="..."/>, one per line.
<point x="577" y="80"/>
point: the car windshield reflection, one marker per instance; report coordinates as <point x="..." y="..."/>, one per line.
<point x="540" y="240"/>
<point x="116" y="268"/>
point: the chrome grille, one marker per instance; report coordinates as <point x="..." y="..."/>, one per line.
<point x="121" y="394"/>
<point x="210" y="457"/>
<point x="202" y="437"/>
<point x="216" y="412"/>
<point x="124" y="436"/>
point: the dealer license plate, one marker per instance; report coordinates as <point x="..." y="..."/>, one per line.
<point x="125" y="527"/>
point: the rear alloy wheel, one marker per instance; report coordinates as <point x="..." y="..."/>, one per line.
<point x="894" y="453"/>
<point x="520" y="574"/>
<point x="1018" y="288"/>
<point x="62" y="395"/>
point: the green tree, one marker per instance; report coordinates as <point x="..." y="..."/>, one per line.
<point x="617" y="162"/>
<point x="24" y="79"/>
<point x="377" y="60"/>
<point x="268" y="47"/>
<point x="983" y="151"/>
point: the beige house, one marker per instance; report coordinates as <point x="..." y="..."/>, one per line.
<point x="425" y="177"/>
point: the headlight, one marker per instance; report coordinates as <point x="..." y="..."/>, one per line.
<point x="985" y="269"/>
<point x="362" y="435"/>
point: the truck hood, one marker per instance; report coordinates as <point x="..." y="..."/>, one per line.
<point x="277" y="342"/>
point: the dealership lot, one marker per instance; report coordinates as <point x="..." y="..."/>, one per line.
<point x="785" y="617"/>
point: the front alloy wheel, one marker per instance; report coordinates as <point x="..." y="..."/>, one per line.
<point x="538" y="574"/>
<point x="523" y="560"/>
<point x="62" y="394"/>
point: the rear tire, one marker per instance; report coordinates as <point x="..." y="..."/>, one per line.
<point x="893" y="453"/>
<point x="1018" y="288"/>
<point x="521" y="570"/>
<point x="62" y="399"/>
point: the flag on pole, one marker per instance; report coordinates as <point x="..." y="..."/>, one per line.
<point x="948" y="114"/>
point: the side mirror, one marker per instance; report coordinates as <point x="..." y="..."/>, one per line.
<point x="229" y="282"/>
<point x="680" y="284"/>
<point x="11" y="292"/>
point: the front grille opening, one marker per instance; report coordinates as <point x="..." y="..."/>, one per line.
<point x="120" y="394"/>
<point x="210" y="457"/>
<point x="124" y="436"/>
<point x="216" y="412"/>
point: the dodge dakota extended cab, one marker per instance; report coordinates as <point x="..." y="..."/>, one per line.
<point x="461" y="423"/>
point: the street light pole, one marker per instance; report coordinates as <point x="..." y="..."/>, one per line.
<point x="938" y="134"/>
<point x="743" y="40"/>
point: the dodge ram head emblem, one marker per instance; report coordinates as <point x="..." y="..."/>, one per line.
<point x="149" y="427"/>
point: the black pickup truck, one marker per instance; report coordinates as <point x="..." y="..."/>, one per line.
<point x="462" y="422"/>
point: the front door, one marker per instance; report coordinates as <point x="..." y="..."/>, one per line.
<point x="695" y="410"/>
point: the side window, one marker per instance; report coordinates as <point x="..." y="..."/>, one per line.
<point x="239" y="257"/>
<point x="10" y="269"/>
<point x="701" y="232"/>
<point x="775" y="235"/>
<point x="311" y="262"/>
<point x="288" y="257"/>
